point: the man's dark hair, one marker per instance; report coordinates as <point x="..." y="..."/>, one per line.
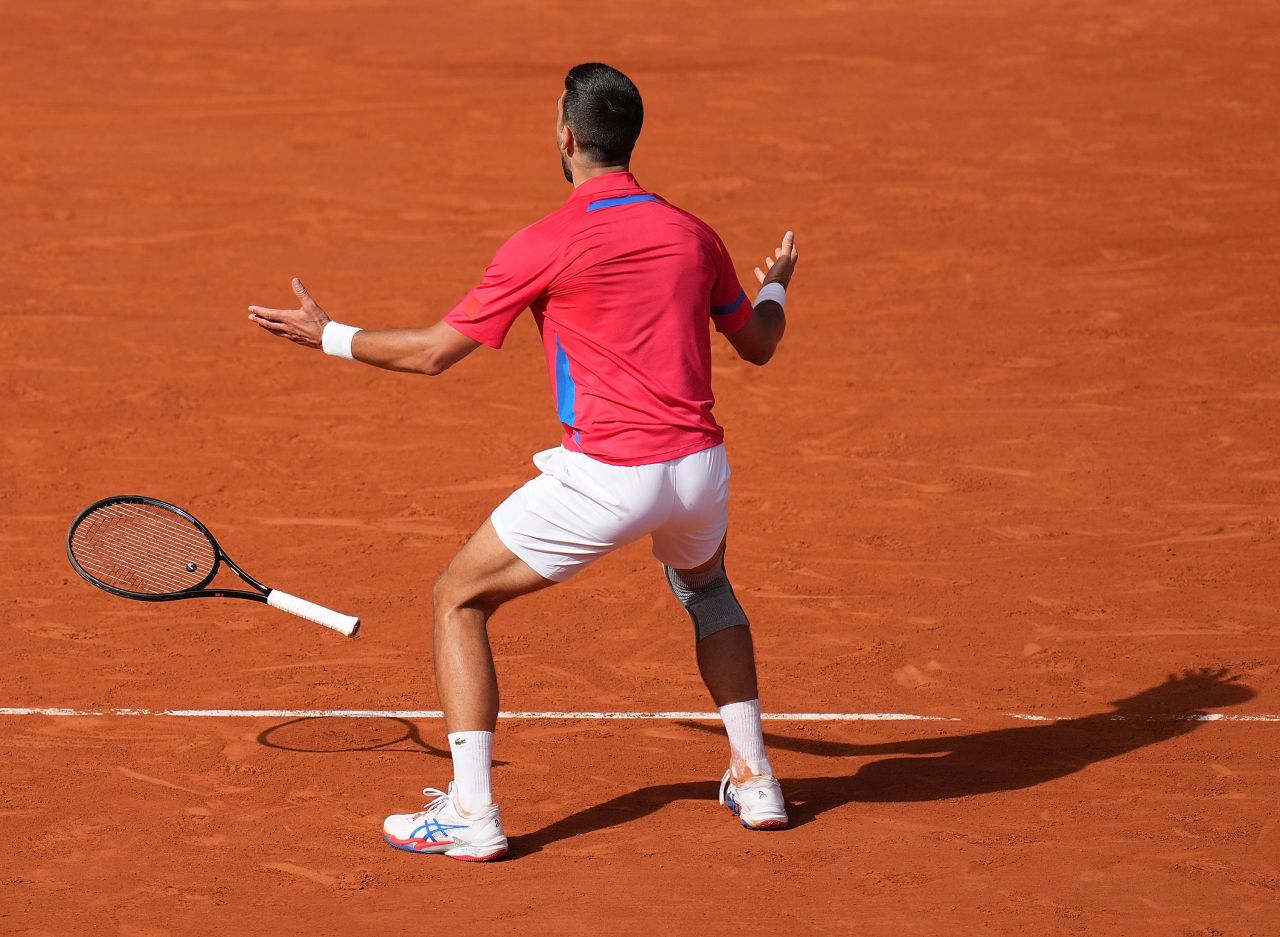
<point x="603" y="109"/>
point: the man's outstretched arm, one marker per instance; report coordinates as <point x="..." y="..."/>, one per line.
<point x="758" y="339"/>
<point x="429" y="350"/>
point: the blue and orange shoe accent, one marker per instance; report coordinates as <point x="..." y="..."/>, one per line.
<point x="733" y="807"/>
<point x="425" y="836"/>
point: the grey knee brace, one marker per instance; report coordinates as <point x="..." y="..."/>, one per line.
<point x="708" y="598"/>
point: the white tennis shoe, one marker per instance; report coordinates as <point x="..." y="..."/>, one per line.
<point x="440" y="828"/>
<point x="758" y="803"/>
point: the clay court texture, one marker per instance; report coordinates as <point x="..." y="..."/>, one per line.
<point x="1017" y="455"/>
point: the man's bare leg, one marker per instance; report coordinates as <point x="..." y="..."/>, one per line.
<point x="727" y="663"/>
<point x="482" y="576"/>
<point x="726" y="659"/>
<point x="466" y="824"/>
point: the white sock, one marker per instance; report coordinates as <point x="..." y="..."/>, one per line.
<point x="472" y="764"/>
<point x="746" y="739"/>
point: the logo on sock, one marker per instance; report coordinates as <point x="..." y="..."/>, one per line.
<point x="459" y="741"/>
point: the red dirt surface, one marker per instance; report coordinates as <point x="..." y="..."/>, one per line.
<point x="1018" y="454"/>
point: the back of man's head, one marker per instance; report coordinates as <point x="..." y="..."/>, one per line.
<point x="603" y="109"/>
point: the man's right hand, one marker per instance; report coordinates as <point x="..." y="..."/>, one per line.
<point x="779" y="267"/>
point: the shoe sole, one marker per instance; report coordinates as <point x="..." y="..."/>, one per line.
<point x="485" y="858"/>
<point x="462" y="853"/>
<point x="764" y="824"/>
<point x="773" y="823"/>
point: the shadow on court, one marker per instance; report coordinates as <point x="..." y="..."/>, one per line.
<point x="951" y="766"/>
<point x="333" y="734"/>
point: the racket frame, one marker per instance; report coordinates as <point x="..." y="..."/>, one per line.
<point x="348" y="625"/>
<point x="191" y="592"/>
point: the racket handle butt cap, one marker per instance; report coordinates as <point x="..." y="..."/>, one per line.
<point x="343" y="624"/>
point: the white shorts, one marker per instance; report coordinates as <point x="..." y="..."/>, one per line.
<point x="579" y="509"/>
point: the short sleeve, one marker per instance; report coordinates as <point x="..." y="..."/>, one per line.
<point x="730" y="308"/>
<point x="518" y="274"/>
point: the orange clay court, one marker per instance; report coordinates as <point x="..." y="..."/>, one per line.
<point x="1015" y="468"/>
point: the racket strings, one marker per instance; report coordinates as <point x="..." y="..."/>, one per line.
<point x="142" y="548"/>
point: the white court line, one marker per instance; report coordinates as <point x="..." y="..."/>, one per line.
<point x="553" y="716"/>
<point x="550" y="715"/>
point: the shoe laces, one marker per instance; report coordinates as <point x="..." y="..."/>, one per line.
<point x="439" y="800"/>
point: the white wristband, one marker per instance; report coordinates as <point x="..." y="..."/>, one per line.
<point x="772" y="291"/>
<point x="336" y="339"/>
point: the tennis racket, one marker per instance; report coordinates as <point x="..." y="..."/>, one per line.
<point x="150" y="550"/>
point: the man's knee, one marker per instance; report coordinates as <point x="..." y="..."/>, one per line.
<point x="453" y="592"/>
<point x="708" y="598"/>
<point x="441" y="592"/>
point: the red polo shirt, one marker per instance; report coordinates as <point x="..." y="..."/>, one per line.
<point x="622" y="286"/>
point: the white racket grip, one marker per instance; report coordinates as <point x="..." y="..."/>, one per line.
<point x="344" y="624"/>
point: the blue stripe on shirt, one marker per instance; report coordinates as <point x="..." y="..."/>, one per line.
<point x="620" y="200"/>
<point x="566" y="389"/>
<point x="725" y="310"/>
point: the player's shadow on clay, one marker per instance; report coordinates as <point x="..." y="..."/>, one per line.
<point x="951" y="766"/>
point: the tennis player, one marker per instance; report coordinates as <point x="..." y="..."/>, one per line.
<point x="623" y="287"/>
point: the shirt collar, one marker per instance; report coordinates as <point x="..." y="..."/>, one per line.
<point x="609" y="183"/>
